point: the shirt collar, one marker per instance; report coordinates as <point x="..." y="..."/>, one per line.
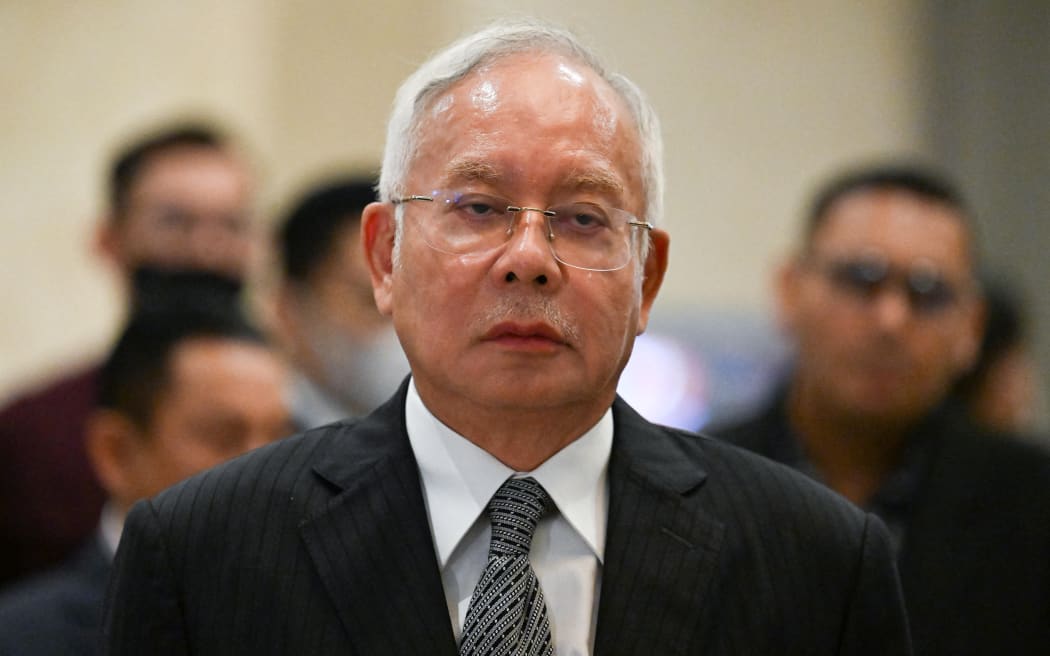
<point x="460" y="477"/>
<point x="110" y="526"/>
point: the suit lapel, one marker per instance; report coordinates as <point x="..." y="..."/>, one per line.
<point x="372" y="546"/>
<point x="661" y="550"/>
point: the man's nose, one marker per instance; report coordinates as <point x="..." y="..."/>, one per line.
<point x="212" y="245"/>
<point x="891" y="307"/>
<point x="528" y="256"/>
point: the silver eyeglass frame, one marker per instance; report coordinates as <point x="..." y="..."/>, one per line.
<point x="518" y="210"/>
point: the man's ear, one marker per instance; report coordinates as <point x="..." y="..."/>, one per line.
<point x="377" y="241"/>
<point x="106" y="241"/>
<point x="653" y="273"/>
<point x="786" y="290"/>
<point x="114" y="446"/>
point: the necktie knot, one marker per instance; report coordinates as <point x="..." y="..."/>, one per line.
<point x="514" y="512"/>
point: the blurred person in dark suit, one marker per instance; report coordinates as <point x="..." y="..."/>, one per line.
<point x="178" y="199"/>
<point x="886" y="313"/>
<point x="504" y="500"/>
<point x="182" y="390"/>
<point x="346" y="355"/>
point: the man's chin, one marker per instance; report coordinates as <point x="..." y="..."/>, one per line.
<point x="890" y="412"/>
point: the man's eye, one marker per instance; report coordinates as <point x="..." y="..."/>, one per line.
<point x="479" y="209"/>
<point x="933" y="296"/>
<point x="475" y="207"/>
<point x="235" y="224"/>
<point x="583" y="218"/>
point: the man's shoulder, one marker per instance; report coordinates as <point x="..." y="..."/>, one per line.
<point x="283" y="478"/>
<point x="752" y="431"/>
<point x="51" y="400"/>
<point x="777" y="488"/>
<point x="59" y="607"/>
<point x="275" y="466"/>
<point x="1000" y="464"/>
<point x="743" y="486"/>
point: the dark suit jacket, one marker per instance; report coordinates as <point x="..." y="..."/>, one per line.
<point x="58" y="613"/>
<point x="975" y="560"/>
<point x="49" y="496"/>
<point x="320" y="544"/>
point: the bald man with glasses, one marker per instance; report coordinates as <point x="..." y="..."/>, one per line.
<point x="882" y="303"/>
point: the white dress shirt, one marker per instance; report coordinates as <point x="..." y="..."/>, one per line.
<point x="459" y="478"/>
<point x="110" y="526"/>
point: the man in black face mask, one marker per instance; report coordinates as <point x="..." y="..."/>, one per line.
<point x="178" y="200"/>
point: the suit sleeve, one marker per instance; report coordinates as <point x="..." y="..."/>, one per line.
<point x="876" y="623"/>
<point x="143" y="612"/>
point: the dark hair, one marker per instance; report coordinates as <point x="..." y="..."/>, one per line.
<point x="306" y="236"/>
<point x="913" y="179"/>
<point x="1005" y="328"/>
<point x="130" y="161"/>
<point x="137" y="372"/>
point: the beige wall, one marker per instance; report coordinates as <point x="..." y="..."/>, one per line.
<point x="758" y="99"/>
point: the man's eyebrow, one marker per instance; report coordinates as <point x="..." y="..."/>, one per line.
<point x="596" y="180"/>
<point x="472" y="170"/>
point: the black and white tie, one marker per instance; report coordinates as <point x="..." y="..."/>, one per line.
<point x="507" y="615"/>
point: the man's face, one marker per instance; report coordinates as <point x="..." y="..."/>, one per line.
<point x="882" y="306"/>
<point x="512" y="327"/>
<point x="189" y="208"/>
<point x="336" y="335"/>
<point x="224" y="397"/>
<point x="342" y="288"/>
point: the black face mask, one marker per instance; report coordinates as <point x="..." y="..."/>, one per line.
<point x="156" y="289"/>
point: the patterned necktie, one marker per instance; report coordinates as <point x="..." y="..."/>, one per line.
<point x="507" y="615"/>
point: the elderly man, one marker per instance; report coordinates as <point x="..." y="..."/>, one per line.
<point x="885" y="312"/>
<point x="504" y="501"/>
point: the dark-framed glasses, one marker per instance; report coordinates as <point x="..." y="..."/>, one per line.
<point x="864" y="277"/>
<point x="582" y="235"/>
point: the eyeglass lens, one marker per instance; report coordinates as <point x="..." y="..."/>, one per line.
<point x="585" y="235"/>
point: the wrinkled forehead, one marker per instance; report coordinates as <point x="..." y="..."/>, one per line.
<point x="539" y="93"/>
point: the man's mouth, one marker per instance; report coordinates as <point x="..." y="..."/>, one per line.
<point x="528" y="336"/>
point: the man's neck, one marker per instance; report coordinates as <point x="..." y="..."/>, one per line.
<point x="521" y="438"/>
<point x="852" y="454"/>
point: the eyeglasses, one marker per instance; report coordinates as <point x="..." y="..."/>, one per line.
<point x="581" y="235"/>
<point x="928" y="292"/>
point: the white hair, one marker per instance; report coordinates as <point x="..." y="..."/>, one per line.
<point x="501" y="39"/>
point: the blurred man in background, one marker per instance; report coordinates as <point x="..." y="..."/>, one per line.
<point x="885" y="312"/>
<point x="181" y="391"/>
<point x="346" y="354"/>
<point x="179" y="199"/>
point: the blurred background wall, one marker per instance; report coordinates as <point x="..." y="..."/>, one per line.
<point x="759" y="101"/>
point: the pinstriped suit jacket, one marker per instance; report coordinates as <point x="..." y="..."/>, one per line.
<point x="320" y="544"/>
